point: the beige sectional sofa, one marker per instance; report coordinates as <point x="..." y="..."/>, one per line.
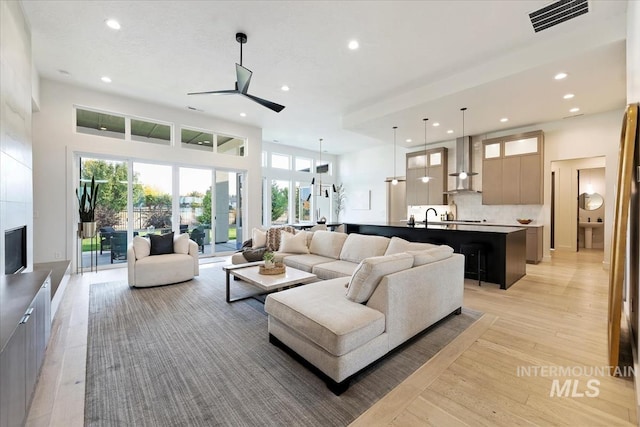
<point x="375" y="294"/>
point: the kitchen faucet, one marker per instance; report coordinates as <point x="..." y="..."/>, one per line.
<point x="426" y="214"/>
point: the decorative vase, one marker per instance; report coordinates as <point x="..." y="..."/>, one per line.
<point x="87" y="230"/>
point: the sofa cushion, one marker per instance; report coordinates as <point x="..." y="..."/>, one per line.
<point x="161" y="244"/>
<point x="371" y="270"/>
<point x="331" y="270"/>
<point x="327" y="243"/>
<point x="359" y="246"/>
<point x="293" y="243"/>
<point x="162" y="269"/>
<point x="273" y="236"/>
<point x="142" y="247"/>
<point x="320" y="312"/>
<point x="398" y="245"/>
<point x="431" y="255"/>
<point x="258" y="238"/>
<point x="181" y="243"/>
<point x="305" y="262"/>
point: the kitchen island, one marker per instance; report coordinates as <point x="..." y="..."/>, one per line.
<point x="505" y="247"/>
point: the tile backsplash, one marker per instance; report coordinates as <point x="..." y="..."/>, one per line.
<point x="468" y="206"/>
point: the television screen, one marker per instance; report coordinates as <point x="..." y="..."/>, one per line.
<point x="15" y="250"/>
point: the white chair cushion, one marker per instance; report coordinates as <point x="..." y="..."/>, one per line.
<point x="258" y="238"/>
<point x="398" y="245"/>
<point x="142" y="247"/>
<point x="293" y="243"/>
<point x="181" y="244"/>
<point x="371" y="270"/>
<point x="359" y="246"/>
<point x="327" y="243"/>
<point x="431" y="255"/>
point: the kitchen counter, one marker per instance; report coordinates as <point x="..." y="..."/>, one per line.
<point x="505" y="247"/>
<point x="493" y="224"/>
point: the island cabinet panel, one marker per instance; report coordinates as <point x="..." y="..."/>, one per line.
<point x="505" y="247"/>
<point x="512" y="170"/>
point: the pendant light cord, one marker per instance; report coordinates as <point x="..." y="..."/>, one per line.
<point x="394" y="152"/>
<point x="463" y="150"/>
<point x="425" y="147"/>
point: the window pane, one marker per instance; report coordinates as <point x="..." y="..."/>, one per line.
<point x="230" y="145"/>
<point x="145" y="131"/>
<point x="111" y="209"/>
<point x="303" y="165"/>
<point x="435" y="159"/>
<point x="323" y="167"/>
<point x="195" y="206"/>
<point x="151" y="198"/>
<point x="279" y="202"/>
<point x="303" y="202"/>
<point x="196" y="140"/>
<point x="94" y="123"/>
<point x="280" y="161"/>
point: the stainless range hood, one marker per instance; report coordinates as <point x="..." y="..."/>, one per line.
<point x="464" y="151"/>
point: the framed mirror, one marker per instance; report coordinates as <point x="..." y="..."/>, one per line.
<point x="590" y="202"/>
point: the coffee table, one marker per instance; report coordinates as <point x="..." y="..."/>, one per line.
<point x="265" y="283"/>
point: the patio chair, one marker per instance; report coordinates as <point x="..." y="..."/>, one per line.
<point x="105" y="237"/>
<point x="197" y="235"/>
<point x="118" y="246"/>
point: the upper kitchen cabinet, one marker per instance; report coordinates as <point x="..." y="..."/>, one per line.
<point x="512" y="169"/>
<point x="434" y="163"/>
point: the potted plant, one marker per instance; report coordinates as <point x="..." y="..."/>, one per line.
<point x="86" y="208"/>
<point x="268" y="258"/>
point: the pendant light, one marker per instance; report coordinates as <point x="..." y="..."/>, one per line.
<point x="322" y="190"/>
<point x="394" y="180"/>
<point x="426" y="178"/>
<point x="463" y="174"/>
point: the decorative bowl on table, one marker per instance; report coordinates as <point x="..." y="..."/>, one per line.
<point x="524" y="221"/>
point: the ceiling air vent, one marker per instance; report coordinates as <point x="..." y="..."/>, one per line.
<point x="557" y="12"/>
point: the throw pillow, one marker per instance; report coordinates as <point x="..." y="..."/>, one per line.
<point x="397" y="245"/>
<point x="258" y="238"/>
<point x="293" y="243"/>
<point x="431" y="255"/>
<point x="142" y="247"/>
<point x="181" y="244"/>
<point x="162" y="244"/>
<point x="273" y="237"/>
<point x="370" y="272"/>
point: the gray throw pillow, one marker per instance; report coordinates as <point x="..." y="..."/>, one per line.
<point x="162" y="244"/>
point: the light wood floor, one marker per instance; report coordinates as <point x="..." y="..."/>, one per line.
<point x="555" y="317"/>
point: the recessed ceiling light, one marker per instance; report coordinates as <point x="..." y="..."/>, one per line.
<point x="436" y="124"/>
<point x="574" y="110"/>
<point x="408" y="140"/>
<point x="113" y="24"/>
<point x="285" y="88"/>
<point x="243" y="114"/>
<point x="450" y="131"/>
<point x="568" y="96"/>
<point x="560" y="76"/>
<point x="504" y="119"/>
<point x="105" y="79"/>
<point x="353" y="44"/>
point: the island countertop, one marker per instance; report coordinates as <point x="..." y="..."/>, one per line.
<point x="504" y="247"/>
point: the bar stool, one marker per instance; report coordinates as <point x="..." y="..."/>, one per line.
<point x="475" y="260"/>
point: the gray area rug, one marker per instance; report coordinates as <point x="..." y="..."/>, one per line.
<point x="180" y="355"/>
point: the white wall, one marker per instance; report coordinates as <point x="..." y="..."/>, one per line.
<point x="56" y="145"/>
<point x="16" y="189"/>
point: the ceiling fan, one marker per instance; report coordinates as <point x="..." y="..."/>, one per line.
<point x="243" y="78"/>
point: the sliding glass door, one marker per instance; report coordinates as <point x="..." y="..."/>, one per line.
<point x="205" y="203"/>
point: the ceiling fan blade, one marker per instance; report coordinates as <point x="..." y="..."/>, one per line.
<point x="271" y="105"/>
<point x="215" y="92"/>
<point x="243" y="78"/>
